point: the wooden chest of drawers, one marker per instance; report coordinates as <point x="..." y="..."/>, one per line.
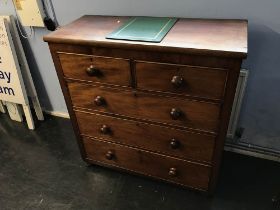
<point x="156" y="109"/>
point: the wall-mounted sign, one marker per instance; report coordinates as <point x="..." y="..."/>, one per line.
<point x="30" y="12"/>
<point x="15" y="79"/>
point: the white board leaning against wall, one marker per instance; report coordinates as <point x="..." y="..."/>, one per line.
<point x="16" y="83"/>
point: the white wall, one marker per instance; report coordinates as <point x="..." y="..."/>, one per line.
<point x="262" y="12"/>
<point x="261" y="109"/>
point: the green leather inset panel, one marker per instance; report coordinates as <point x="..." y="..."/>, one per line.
<point x="147" y="29"/>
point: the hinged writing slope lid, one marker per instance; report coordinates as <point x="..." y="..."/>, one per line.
<point x="147" y="29"/>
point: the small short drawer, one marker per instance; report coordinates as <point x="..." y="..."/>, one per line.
<point x="181" y="79"/>
<point x="141" y="105"/>
<point x="174" y="142"/>
<point x="150" y="164"/>
<point x="105" y="70"/>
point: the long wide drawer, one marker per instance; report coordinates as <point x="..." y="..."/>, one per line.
<point x="174" y="142"/>
<point x="181" y="79"/>
<point x="151" y="164"/>
<point x="105" y="70"/>
<point x="176" y="111"/>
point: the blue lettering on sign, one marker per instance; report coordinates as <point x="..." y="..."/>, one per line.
<point x="6" y="76"/>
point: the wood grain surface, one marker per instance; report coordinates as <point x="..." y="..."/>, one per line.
<point x="159" y="109"/>
<point x="173" y="142"/>
<point x="196" y="36"/>
<point x="140" y="161"/>
<point x="196" y="81"/>
<point x="108" y="70"/>
<point x="194" y="114"/>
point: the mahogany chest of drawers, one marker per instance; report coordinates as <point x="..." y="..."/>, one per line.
<point x="156" y="109"/>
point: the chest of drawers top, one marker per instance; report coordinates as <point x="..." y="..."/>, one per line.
<point x="226" y="38"/>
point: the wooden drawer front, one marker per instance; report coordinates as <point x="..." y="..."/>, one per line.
<point x="194" y="114"/>
<point x="181" y="79"/>
<point x="97" y="69"/>
<point x="140" y="161"/>
<point x="152" y="137"/>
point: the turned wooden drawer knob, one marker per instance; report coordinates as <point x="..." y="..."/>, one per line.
<point x="175" y="113"/>
<point x="99" y="101"/>
<point x="177" y="81"/>
<point x="105" y="129"/>
<point x="109" y="155"/>
<point x="174" y="143"/>
<point x="172" y="172"/>
<point x="93" y="71"/>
